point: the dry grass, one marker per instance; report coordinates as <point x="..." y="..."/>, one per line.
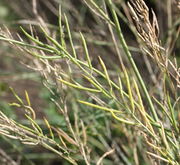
<point x="149" y="34"/>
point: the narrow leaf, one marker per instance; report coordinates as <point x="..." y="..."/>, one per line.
<point x="86" y="51"/>
<point x="106" y="73"/>
<point x="99" y="107"/>
<point x="79" y="87"/>
<point x="70" y="37"/>
<point x="27" y="98"/>
<point x="49" y="127"/>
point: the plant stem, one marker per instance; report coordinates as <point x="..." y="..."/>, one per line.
<point x="128" y="54"/>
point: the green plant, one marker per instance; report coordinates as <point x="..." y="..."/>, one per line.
<point x="89" y="98"/>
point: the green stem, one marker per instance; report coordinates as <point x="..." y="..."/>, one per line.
<point x="128" y="54"/>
